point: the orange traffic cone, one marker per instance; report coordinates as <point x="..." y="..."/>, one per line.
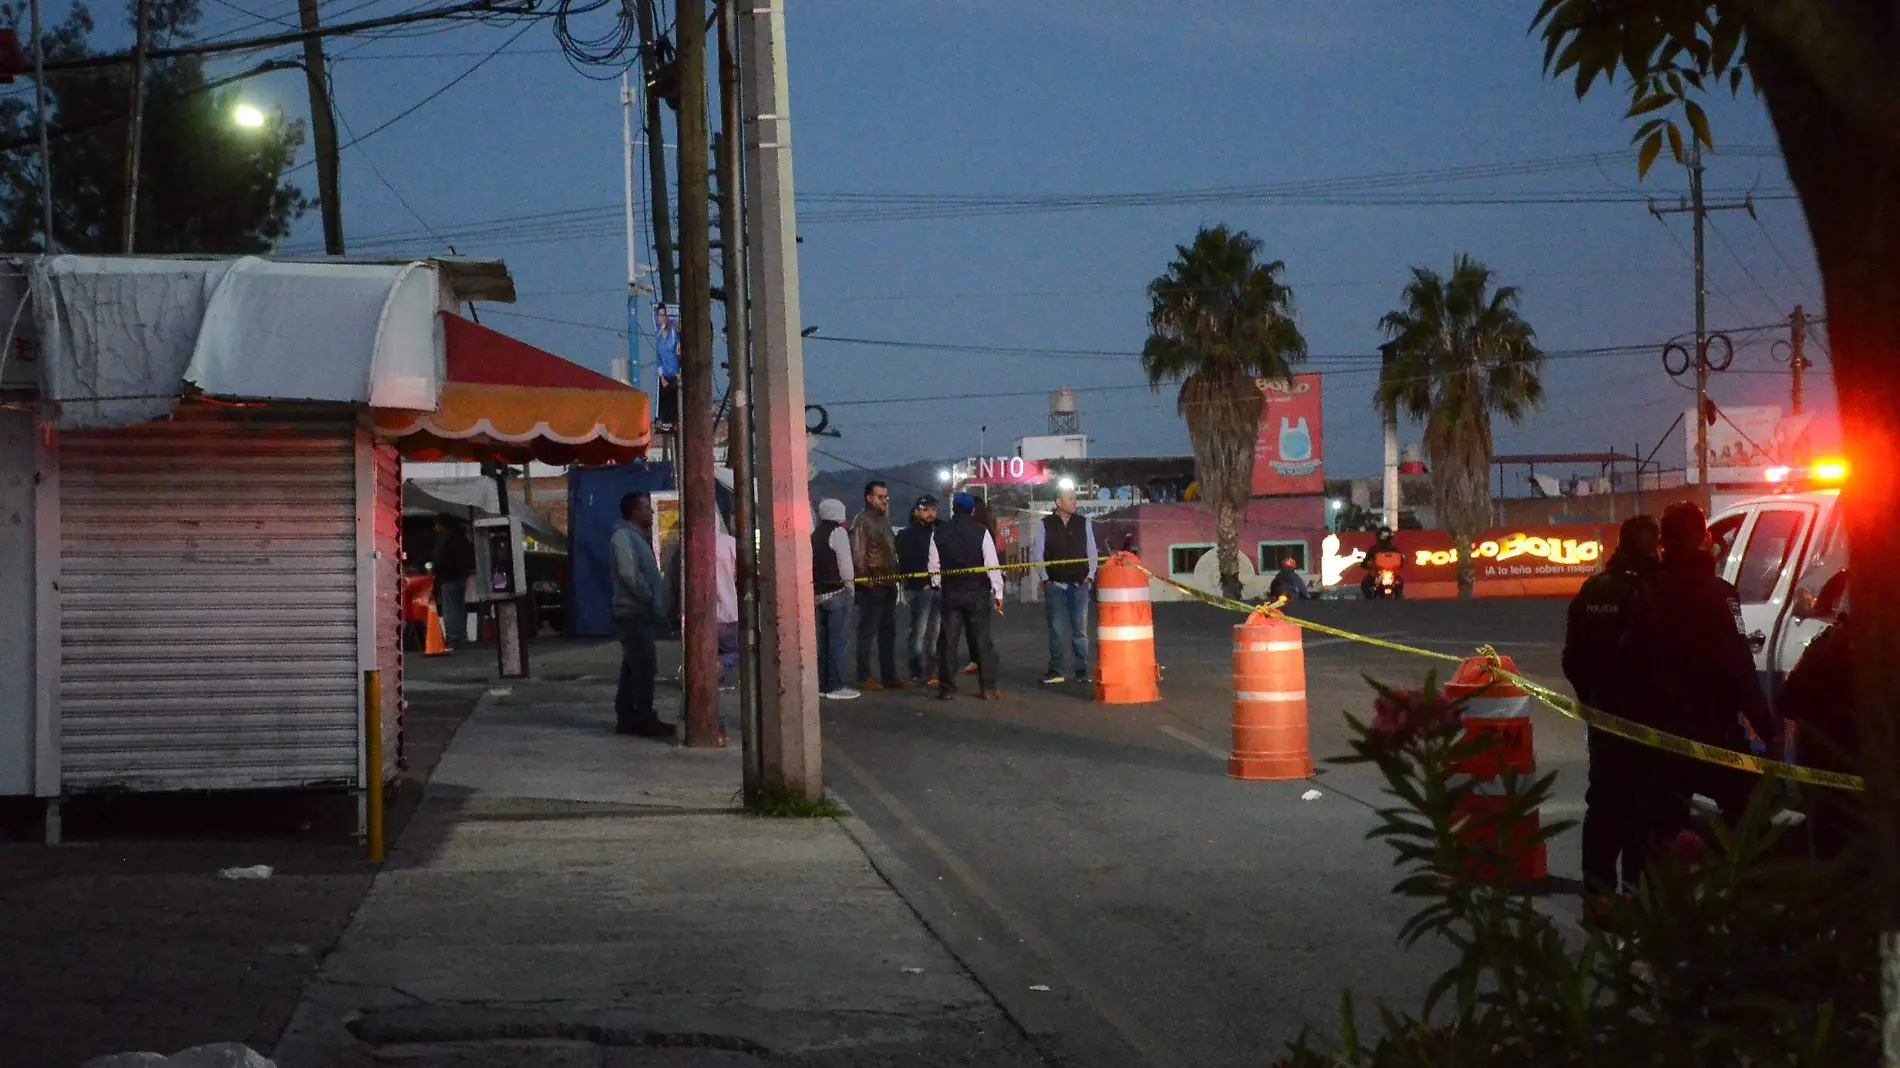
<point x="432" y="643"/>
<point x="1125" y="671"/>
<point x="1270" y="740"/>
<point x="1500" y="710"/>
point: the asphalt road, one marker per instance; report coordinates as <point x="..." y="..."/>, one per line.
<point x="1125" y="900"/>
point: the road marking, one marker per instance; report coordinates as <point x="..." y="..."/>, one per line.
<point x="1180" y="735"/>
<point x="1107" y="1007"/>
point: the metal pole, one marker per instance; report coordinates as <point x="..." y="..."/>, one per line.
<point x="788" y="671"/>
<point x="1701" y="320"/>
<point x="136" y="132"/>
<point x="633" y="250"/>
<point x="739" y="364"/>
<point x="46" y="157"/>
<point x="323" y="130"/>
<point x="698" y="510"/>
<point x="1797" y="340"/>
<point x="373" y="763"/>
<point x="656" y="155"/>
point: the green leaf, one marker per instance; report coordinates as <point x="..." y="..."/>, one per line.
<point x="1698" y="122"/>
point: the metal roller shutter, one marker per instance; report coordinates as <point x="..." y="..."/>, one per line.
<point x="209" y="604"/>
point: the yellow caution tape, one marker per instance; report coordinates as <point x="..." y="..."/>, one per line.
<point x="1593" y="718"/>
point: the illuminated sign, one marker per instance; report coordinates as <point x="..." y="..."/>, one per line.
<point x="1002" y="471"/>
<point x="1566" y="551"/>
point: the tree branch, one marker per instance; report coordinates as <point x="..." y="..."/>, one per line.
<point x="1842" y="53"/>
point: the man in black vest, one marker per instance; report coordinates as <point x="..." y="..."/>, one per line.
<point x="1063" y="535"/>
<point x="913" y="559"/>
<point x="959" y="551"/>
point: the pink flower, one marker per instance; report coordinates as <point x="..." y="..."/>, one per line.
<point x="1389" y="718"/>
<point x="1688" y="849"/>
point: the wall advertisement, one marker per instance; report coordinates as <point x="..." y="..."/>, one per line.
<point x="1287" y="453"/>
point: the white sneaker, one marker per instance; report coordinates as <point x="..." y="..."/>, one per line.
<point x="842" y="693"/>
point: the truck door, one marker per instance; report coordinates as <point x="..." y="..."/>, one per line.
<point x="1770" y="547"/>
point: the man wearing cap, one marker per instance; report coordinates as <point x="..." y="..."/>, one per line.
<point x="960" y="550"/>
<point x="913" y="559"/>
<point x="831" y="575"/>
<point x="1067" y="537"/>
<point x="1693" y="671"/>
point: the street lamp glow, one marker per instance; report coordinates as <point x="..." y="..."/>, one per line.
<point x="1065" y="484"/>
<point x="1337" y="505"/>
<point x="944" y="475"/>
<point x="249" y="116"/>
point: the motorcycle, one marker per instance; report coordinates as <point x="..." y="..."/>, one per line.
<point x="1384" y="582"/>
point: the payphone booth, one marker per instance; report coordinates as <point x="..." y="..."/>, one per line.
<point x="501" y="580"/>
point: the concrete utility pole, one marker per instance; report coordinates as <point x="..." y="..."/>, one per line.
<point x="1700" y="213"/>
<point x="1797" y="362"/>
<point x="739" y="368"/>
<point x="656" y="155"/>
<point x="1387" y="353"/>
<point x="135" y="132"/>
<point x="699" y="512"/>
<point x="39" y="121"/>
<point x="322" y="129"/>
<point x="788" y="668"/>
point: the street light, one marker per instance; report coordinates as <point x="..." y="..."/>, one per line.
<point x="944" y="476"/>
<point x="249" y="116"/>
<point x="1065" y="484"/>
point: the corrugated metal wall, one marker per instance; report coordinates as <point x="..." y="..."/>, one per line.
<point x="209" y="604"/>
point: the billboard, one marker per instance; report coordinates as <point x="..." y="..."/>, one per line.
<point x="1534" y="561"/>
<point x="1745" y="442"/>
<point x="1287" y="451"/>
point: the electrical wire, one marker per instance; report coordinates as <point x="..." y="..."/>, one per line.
<point x="1743" y="264"/>
<point x="378" y="172"/>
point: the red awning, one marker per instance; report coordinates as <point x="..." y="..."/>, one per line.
<point x="506" y="401"/>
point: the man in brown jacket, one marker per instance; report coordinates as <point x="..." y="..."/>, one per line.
<point x="874" y="558"/>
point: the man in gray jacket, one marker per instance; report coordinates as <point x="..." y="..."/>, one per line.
<point x="639" y="598"/>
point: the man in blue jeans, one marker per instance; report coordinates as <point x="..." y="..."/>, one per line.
<point x="1063" y="547"/>
<point x="831" y="578"/>
<point x="638" y="598"/>
<point x="913" y="558"/>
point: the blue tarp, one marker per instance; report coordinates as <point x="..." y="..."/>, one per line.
<point x="593" y="507"/>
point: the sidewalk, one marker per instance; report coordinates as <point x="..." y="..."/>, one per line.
<point x="565" y="896"/>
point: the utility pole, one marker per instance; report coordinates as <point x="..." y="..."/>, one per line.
<point x="323" y="129"/>
<point x="656" y="152"/>
<point x="788" y="669"/>
<point x="1387" y="353"/>
<point x="698" y="510"/>
<point x="135" y="132"/>
<point x="1700" y="213"/>
<point x="739" y="368"/>
<point x="633" y="247"/>
<point x="1797" y="362"/>
<point x="39" y="121"/>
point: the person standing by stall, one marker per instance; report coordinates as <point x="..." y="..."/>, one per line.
<point x="454" y="563"/>
<point x="639" y="598"/>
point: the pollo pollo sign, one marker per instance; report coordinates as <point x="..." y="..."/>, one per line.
<point x="1523" y="562"/>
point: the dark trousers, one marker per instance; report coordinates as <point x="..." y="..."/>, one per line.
<point x="877" y="623"/>
<point x="1630" y="809"/>
<point x="639" y="663"/>
<point x="966" y="613"/>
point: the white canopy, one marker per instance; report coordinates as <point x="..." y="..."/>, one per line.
<point x="124" y="337"/>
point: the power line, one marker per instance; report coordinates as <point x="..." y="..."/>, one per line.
<point x="1743" y="264"/>
<point x="387" y="184"/>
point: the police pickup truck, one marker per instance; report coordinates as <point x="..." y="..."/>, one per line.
<point x="1787" y="557"/>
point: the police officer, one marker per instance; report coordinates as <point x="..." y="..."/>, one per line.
<point x="1692" y="670"/>
<point x="964" y="545"/>
<point x="1621" y="800"/>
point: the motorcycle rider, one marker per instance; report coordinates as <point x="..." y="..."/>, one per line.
<point x="1621" y="801"/>
<point x="1692" y="672"/>
<point x="1287" y="582"/>
<point x="1383" y="545"/>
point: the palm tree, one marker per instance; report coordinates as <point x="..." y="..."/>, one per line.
<point x="1460" y="352"/>
<point x="1219" y="320"/>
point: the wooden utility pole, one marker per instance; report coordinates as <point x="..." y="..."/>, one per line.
<point x="135" y="132"/>
<point x="788" y="658"/>
<point x="699" y="512"/>
<point x="1797" y="362"/>
<point x="656" y="153"/>
<point x="739" y="369"/>
<point x="322" y="129"/>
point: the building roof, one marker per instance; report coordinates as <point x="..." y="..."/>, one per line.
<point x="1564" y="458"/>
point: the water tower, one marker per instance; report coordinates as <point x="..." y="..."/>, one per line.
<point x="1063" y="418"/>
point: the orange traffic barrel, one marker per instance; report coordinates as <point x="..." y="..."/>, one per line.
<point x="432" y="643"/>
<point x="1125" y="671"/>
<point x="1270" y="739"/>
<point x="1496" y="707"/>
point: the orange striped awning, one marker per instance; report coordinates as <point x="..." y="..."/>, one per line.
<point x="505" y="401"/>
